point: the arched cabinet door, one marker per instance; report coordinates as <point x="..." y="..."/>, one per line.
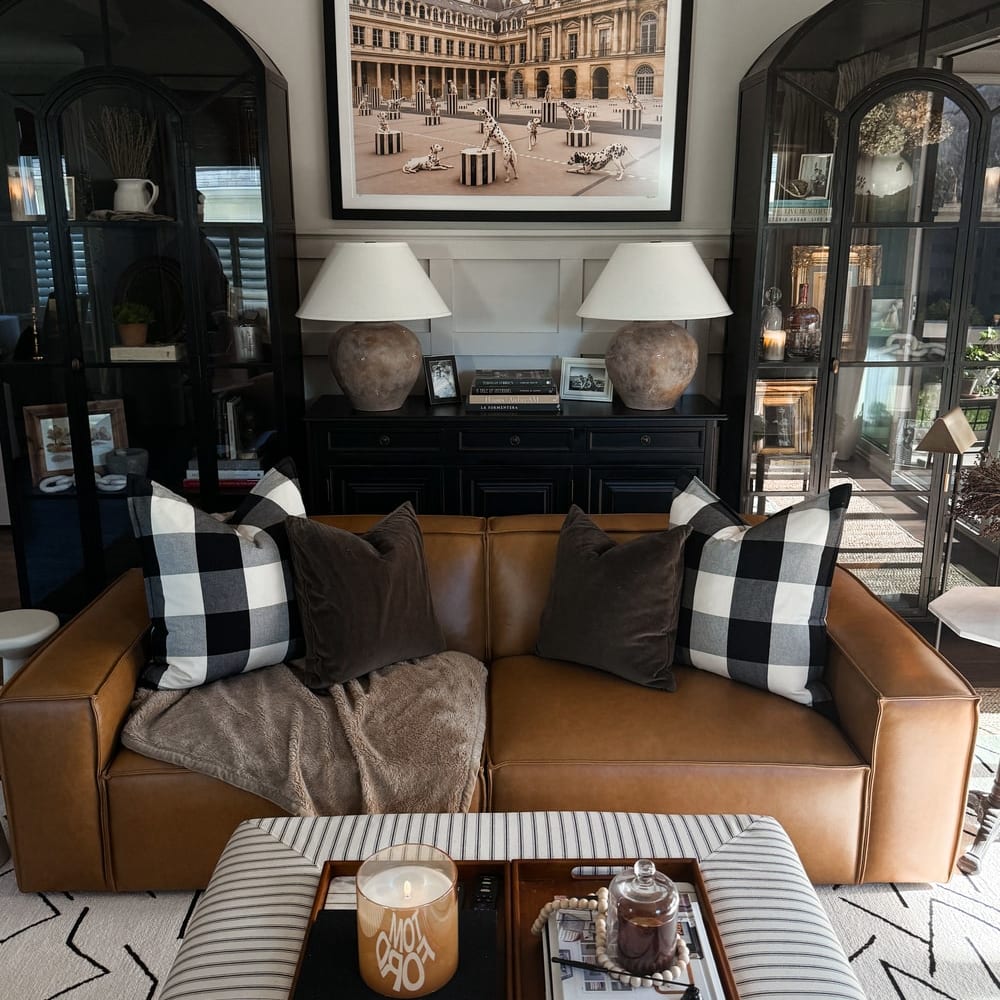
<point x="146" y="300"/>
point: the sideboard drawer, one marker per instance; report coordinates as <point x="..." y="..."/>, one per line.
<point x="690" y="439"/>
<point x="512" y="438"/>
<point x="384" y="439"/>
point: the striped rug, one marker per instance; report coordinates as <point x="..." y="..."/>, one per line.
<point x="905" y="942"/>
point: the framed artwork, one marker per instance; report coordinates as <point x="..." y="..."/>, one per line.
<point x="815" y="170"/>
<point x="441" y="374"/>
<point x="505" y="111"/>
<point x="47" y="431"/>
<point x="786" y="407"/>
<point x="585" y="378"/>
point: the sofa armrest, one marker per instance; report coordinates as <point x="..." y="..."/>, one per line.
<point x="60" y="719"/>
<point x="913" y="717"/>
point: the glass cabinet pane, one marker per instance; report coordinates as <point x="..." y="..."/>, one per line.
<point x="899" y="294"/>
<point x="912" y="148"/>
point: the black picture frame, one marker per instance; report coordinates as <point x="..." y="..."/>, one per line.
<point x="362" y="186"/>
<point x="441" y="376"/>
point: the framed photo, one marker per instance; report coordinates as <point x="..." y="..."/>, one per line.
<point x="585" y="378"/>
<point x="407" y="92"/>
<point x="50" y="450"/>
<point x="814" y="169"/>
<point x="786" y="407"/>
<point x="441" y="374"/>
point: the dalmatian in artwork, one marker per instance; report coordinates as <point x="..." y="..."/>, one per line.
<point x="393" y="103"/>
<point x="452" y="89"/>
<point x="533" y="124"/>
<point x="576" y="113"/>
<point x="492" y="131"/>
<point x="363" y="103"/>
<point x="585" y="163"/>
<point x="432" y="161"/>
<point x="383" y="121"/>
<point x="435" y="106"/>
<point x="633" y="98"/>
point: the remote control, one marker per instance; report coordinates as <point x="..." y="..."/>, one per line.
<point x="485" y="891"/>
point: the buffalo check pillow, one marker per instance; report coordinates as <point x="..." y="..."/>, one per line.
<point x="753" y="606"/>
<point x="220" y="592"/>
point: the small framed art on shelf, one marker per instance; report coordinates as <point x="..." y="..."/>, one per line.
<point x="585" y="378"/>
<point x="441" y="374"/>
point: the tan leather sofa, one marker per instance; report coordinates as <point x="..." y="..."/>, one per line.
<point x="877" y="798"/>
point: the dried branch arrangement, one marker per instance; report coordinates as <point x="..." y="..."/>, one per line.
<point x="901" y="123"/>
<point x="124" y="137"/>
<point x="979" y="496"/>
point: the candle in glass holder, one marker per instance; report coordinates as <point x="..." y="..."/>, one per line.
<point x="774" y="345"/>
<point x="407" y="920"/>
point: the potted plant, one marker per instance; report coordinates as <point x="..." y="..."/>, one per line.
<point x="132" y="320"/>
<point x="982" y="381"/>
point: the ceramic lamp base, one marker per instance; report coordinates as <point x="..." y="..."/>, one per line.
<point x="651" y="364"/>
<point x="376" y="364"/>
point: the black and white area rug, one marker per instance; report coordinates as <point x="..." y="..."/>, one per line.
<point x="906" y="942"/>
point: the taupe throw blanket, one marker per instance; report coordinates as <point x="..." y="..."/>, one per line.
<point x="406" y="738"/>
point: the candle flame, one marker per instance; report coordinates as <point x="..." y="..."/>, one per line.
<point x="407" y="890"/>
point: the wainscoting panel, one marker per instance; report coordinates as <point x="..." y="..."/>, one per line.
<point x="513" y="303"/>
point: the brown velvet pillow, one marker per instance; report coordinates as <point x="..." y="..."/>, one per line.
<point x="365" y="600"/>
<point x="615" y="607"/>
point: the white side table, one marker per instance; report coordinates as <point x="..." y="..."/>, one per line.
<point x="21" y="633"/>
<point x="974" y="613"/>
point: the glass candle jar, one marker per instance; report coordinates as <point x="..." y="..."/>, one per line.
<point x="642" y="919"/>
<point x="407" y="920"/>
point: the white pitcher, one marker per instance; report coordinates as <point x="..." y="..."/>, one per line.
<point x="131" y="194"/>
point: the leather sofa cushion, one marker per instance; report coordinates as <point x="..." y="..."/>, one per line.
<point x="564" y="736"/>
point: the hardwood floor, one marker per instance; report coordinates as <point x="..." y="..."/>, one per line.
<point x="978" y="663"/>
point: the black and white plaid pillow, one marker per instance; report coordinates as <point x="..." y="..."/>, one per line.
<point x="755" y="598"/>
<point x="220" y="592"/>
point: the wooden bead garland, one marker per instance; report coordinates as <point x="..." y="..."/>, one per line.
<point x="598" y="906"/>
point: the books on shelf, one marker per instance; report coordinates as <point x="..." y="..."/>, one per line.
<point x="570" y="935"/>
<point x="251" y="462"/>
<point x="226" y="484"/>
<point x="510" y="376"/>
<point x="230" y="475"/>
<point x="509" y="407"/>
<point x="148" y="352"/>
<point x="803" y="210"/>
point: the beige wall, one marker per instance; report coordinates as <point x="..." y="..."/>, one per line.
<point x="728" y="36"/>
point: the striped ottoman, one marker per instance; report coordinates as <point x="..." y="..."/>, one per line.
<point x="387" y="143"/>
<point x="578" y="139"/>
<point x="244" y="937"/>
<point x="631" y="119"/>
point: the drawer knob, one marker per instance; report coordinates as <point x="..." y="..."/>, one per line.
<point x="645" y="440"/>
<point x="384" y="440"/>
<point x="515" y="440"/>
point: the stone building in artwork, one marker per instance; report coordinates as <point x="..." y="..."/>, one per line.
<point x="575" y="49"/>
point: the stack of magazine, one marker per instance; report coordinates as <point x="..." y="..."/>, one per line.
<point x="513" y="390"/>
<point x="570" y="935"/>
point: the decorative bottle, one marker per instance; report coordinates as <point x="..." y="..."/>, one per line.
<point x="642" y="919"/>
<point x="802" y="326"/>
<point x="772" y="327"/>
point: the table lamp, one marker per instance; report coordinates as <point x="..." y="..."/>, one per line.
<point x="950" y="434"/>
<point x="371" y="286"/>
<point x="652" y="359"/>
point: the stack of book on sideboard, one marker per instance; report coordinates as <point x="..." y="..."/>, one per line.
<point x="513" y="390"/>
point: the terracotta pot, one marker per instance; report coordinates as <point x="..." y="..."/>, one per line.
<point x="132" y="334"/>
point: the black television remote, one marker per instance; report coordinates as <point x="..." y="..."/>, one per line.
<point x="484" y="893"/>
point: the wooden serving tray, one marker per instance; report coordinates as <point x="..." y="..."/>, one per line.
<point x="339" y="960"/>
<point x="534" y="883"/>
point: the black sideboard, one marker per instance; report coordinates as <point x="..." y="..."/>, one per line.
<point x="602" y="456"/>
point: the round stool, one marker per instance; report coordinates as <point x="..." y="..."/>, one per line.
<point x="21" y="633"/>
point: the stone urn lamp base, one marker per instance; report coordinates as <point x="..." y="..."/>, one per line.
<point x="376" y="364"/>
<point x="651" y="363"/>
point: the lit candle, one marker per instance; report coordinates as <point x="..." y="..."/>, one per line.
<point x="991" y="190"/>
<point x="774" y="345"/>
<point x="407" y="920"/>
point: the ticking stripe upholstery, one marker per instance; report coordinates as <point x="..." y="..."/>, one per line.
<point x="244" y="939"/>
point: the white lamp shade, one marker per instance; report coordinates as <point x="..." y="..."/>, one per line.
<point x="654" y="281"/>
<point x="372" y="282"/>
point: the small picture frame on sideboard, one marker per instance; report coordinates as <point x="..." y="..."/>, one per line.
<point x="585" y="378"/>
<point x="441" y="374"/>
